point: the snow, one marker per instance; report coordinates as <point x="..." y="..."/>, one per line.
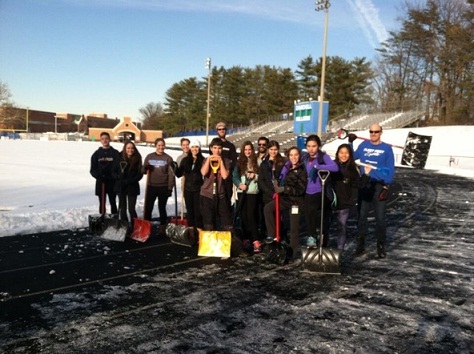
<point x="46" y="185"/>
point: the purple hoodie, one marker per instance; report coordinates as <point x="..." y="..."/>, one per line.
<point x="312" y="167"/>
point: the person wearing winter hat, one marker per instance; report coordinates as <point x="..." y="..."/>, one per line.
<point x="190" y="171"/>
<point x="195" y="142"/>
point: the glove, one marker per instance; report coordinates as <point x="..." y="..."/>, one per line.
<point x="383" y="195"/>
<point x="174" y="166"/>
<point x="170" y="192"/>
<point x="149" y="168"/>
<point x="279" y="190"/>
<point x="352" y="137"/>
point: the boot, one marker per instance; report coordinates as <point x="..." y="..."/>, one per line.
<point x="381" y="250"/>
<point x="360" y="245"/>
<point x="162" y="230"/>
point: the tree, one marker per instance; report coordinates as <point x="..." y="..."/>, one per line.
<point x="429" y="62"/>
<point x="152" y="115"/>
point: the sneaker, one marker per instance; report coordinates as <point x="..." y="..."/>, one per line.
<point x="257" y="247"/>
<point x="268" y="239"/>
<point x="246" y="244"/>
<point x="311" y="242"/>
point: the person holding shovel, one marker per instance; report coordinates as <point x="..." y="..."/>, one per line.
<point x="190" y="169"/>
<point x="315" y="160"/>
<point x="291" y="188"/>
<point x="379" y="167"/>
<point x="245" y="177"/>
<point x="161" y="180"/>
<point x="103" y="161"/>
<point x="268" y="177"/>
<point x="215" y="170"/>
<point x="130" y="171"/>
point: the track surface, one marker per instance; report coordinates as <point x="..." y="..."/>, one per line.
<point x="73" y="292"/>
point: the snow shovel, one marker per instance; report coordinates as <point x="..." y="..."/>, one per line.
<point x="278" y="250"/>
<point x="324" y="260"/>
<point x="116" y="229"/>
<point x="343" y="133"/>
<point x="177" y="229"/>
<point x="96" y="221"/>
<point x="141" y="227"/>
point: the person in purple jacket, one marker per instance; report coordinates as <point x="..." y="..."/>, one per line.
<point x="315" y="160"/>
<point x="378" y="163"/>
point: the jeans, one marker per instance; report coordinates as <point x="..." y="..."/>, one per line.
<point x="368" y="197"/>
<point x="341" y="220"/>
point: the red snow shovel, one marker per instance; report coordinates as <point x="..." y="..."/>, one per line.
<point x="324" y="260"/>
<point x="277" y="251"/>
<point x="141" y="227"/>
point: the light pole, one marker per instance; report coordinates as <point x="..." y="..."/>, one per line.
<point x="208" y="113"/>
<point x="323" y="5"/>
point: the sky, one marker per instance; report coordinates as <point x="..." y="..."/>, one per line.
<point x="46" y="185"/>
<point x="116" y="56"/>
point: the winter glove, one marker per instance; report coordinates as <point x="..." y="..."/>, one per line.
<point x="170" y="192"/>
<point x="279" y="190"/>
<point x="352" y="137"/>
<point x="174" y="166"/>
<point x="383" y="195"/>
<point x="149" y="168"/>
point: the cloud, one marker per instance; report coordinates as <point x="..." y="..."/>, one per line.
<point x="279" y="10"/>
<point x="367" y="15"/>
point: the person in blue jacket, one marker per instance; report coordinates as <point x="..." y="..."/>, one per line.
<point x="378" y="164"/>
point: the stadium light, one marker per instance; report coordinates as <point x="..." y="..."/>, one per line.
<point x="323" y="5"/>
<point x="208" y="113"/>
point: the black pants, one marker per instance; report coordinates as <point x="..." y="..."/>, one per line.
<point x="212" y="209"/>
<point x="247" y="207"/>
<point x="312" y="210"/>
<point x="113" y="203"/>
<point x="193" y="208"/>
<point x="152" y="194"/>
<point x="127" y="203"/>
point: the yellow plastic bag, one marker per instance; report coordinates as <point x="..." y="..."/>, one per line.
<point x="214" y="243"/>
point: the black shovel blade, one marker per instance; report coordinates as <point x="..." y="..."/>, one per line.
<point x="180" y="235"/>
<point x="325" y="260"/>
<point x="96" y="224"/>
<point x="276" y="252"/>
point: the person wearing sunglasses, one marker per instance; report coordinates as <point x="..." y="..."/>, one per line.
<point x="228" y="152"/>
<point x="262" y="151"/>
<point x="379" y="169"/>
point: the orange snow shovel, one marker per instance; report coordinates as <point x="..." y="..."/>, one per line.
<point x="141" y="227"/>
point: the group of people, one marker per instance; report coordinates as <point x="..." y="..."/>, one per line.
<point x="302" y="184"/>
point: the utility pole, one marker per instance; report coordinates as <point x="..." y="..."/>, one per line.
<point x="323" y="5"/>
<point x="208" y="113"/>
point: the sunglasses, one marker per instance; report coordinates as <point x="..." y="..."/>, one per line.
<point x="221" y="129"/>
<point x="374" y="131"/>
<point x="262" y="144"/>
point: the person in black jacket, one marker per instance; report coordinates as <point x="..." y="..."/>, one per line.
<point x="346" y="183"/>
<point x="103" y="161"/>
<point x="190" y="169"/>
<point x="127" y="187"/>
<point x="291" y="188"/>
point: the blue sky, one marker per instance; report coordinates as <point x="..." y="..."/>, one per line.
<point x="115" y="56"/>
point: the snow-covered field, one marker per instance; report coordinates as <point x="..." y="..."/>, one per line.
<point x="46" y="185"/>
